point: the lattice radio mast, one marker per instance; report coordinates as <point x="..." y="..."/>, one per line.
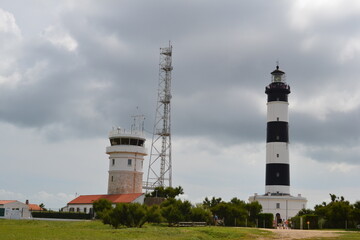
<point x="160" y="154"/>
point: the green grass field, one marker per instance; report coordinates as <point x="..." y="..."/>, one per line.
<point x="95" y="230"/>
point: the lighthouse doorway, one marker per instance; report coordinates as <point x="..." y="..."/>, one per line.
<point x="278" y="218"/>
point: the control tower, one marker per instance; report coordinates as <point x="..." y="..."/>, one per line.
<point x="126" y="157"/>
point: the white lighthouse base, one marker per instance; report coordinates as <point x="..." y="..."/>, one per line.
<point x="282" y="207"/>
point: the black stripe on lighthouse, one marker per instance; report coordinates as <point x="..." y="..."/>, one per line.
<point x="278" y="96"/>
<point x="277" y="132"/>
<point x="277" y="174"/>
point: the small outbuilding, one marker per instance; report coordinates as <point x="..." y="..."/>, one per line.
<point x="13" y="209"/>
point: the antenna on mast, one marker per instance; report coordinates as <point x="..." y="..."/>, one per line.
<point x="160" y="166"/>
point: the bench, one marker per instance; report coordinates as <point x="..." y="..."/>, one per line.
<point x="192" y="224"/>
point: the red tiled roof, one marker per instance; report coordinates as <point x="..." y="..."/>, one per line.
<point x="35" y="207"/>
<point x="114" y="198"/>
<point x="6" y="201"/>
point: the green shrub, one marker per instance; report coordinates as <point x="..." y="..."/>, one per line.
<point x="265" y="220"/>
<point x="311" y="218"/>
<point x="102" y="207"/>
<point x="171" y="212"/>
<point x="127" y="214"/>
<point x="154" y="214"/>
<point x="200" y="214"/>
<point x="61" y="215"/>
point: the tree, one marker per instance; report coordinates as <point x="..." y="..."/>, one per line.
<point x="211" y="203"/>
<point x="233" y="214"/>
<point x="305" y="212"/>
<point x="355" y="215"/>
<point x="168" y="192"/>
<point x="101" y="208"/>
<point x="200" y="214"/>
<point x="254" y="209"/>
<point x="42" y="205"/>
<point x="337" y="214"/>
<point x="175" y="211"/>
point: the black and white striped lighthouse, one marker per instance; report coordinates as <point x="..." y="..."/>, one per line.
<point x="277" y="180"/>
<point x="277" y="198"/>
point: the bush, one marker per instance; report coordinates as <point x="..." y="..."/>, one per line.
<point x="265" y="220"/>
<point x="233" y="214"/>
<point x="154" y="214"/>
<point x="101" y="208"/>
<point x="173" y="211"/>
<point x="127" y="214"/>
<point x="200" y="214"/>
<point x="311" y="218"/>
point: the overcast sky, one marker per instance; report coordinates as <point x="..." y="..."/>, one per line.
<point x="71" y="70"/>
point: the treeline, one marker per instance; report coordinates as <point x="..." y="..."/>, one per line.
<point x="173" y="211"/>
<point x="339" y="213"/>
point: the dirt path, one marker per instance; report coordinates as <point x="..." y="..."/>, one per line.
<point x="290" y="234"/>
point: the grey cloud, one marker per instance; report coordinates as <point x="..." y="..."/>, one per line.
<point x="217" y="47"/>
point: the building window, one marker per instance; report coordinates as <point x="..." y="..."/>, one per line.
<point x="77" y="209"/>
<point x="71" y="209"/>
<point x="129" y="162"/>
<point x="277" y="119"/>
<point x="277" y="155"/>
<point x="113" y="162"/>
<point x="112" y="178"/>
<point x="277" y="205"/>
<point x="85" y="209"/>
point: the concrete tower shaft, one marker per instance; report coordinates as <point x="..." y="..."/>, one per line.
<point x="277" y="180"/>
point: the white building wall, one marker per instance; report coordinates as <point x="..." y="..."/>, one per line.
<point x="16" y="210"/>
<point x="121" y="162"/>
<point x="83" y="208"/>
<point x="288" y="206"/>
<point x="277" y="111"/>
<point x="277" y="152"/>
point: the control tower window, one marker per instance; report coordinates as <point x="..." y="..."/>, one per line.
<point x="125" y="141"/>
<point x="115" y="141"/>
<point x="133" y="142"/>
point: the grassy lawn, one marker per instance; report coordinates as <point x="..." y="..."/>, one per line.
<point x="51" y="230"/>
<point x="44" y="230"/>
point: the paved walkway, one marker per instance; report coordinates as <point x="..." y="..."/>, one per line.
<point x="301" y="234"/>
